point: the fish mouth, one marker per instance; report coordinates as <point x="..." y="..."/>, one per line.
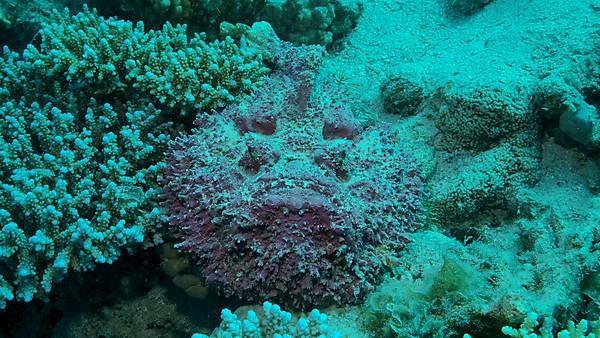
<point x="296" y="200"/>
<point x="295" y="194"/>
<point x="289" y="207"/>
<point x="295" y="176"/>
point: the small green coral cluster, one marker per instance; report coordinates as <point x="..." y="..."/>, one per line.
<point x="20" y="21"/>
<point x="312" y="22"/>
<point x="5" y="21"/>
<point x="198" y="12"/>
<point x="272" y="322"/>
<point x="583" y="329"/>
<point x="84" y="122"/>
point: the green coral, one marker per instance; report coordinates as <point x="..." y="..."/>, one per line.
<point x="583" y="329"/>
<point x="163" y="67"/>
<point x="76" y="188"/>
<point x="5" y="21"/>
<point x="202" y="13"/>
<point x="85" y="118"/>
<point x="312" y="22"/>
<point x="20" y="21"/>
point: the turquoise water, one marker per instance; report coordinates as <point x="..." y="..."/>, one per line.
<point x="309" y="168"/>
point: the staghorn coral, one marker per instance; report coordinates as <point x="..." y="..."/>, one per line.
<point x="285" y="197"/>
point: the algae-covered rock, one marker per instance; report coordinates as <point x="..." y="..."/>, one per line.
<point x="466" y="7"/>
<point x="489" y="181"/>
<point x="476" y="116"/>
<point x="401" y="95"/>
<point x="582" y="125"/>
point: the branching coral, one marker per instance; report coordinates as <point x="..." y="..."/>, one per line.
<point x="300" y="21"/>
<point x="315" y="21"/>
<point x="285" y="197"/>
<point x="271" y="321"/>
<point x="163" y="67"/>
<point x="84" y="122"/>
<point x="75" y="190"/>
<point x="583" y="329"/>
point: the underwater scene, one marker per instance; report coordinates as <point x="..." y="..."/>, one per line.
<point x="300" y="168"/>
